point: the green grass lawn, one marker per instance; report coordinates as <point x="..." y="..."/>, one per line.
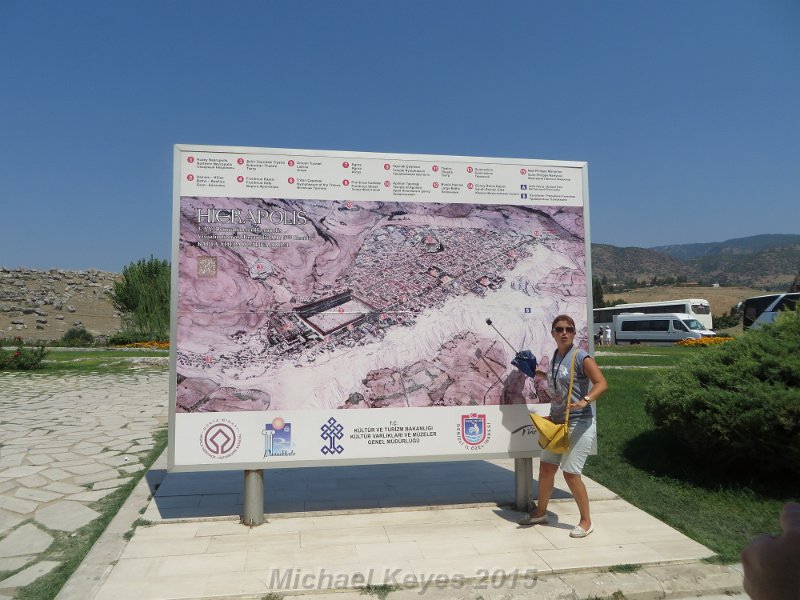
<point x="96" y="360"/>
<point x="647" y="468"/>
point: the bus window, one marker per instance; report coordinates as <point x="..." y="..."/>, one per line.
<point x="660" y="325"/>
<point x="701" y="309"/>
<point x="788" y="302"/>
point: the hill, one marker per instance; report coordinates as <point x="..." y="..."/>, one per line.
<point x="763" y="262"/>
<point x="618" y="265"/>
<point x="43" y="305"/>
<point x="737" y="246"/>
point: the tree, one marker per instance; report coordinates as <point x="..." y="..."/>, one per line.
<point x="597" y="293"/>
<point x="142" y="296"/>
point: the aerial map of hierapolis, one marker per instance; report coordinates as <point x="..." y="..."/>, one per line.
<point x="308" y="304"/>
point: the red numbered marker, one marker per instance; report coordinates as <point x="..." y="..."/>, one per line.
<point x="291" y="180"/>
<point x="190" y="177"/>
<point x="240" y="179"/>
<point x="346" y="165"/>
<point x="190" y="159"/>
<point x="469" y="169"/>
<point x="387" y="183"/>
<point x="345" y="182"/>
<point x="523" y="171"/>
<point x="435" y="168"/>
<point x="387" y="166"/>
<point x="469" y="186"/>
<point x="435" y="184"/>
<point x="290" y="162"/>
<point x="240" y="161"/>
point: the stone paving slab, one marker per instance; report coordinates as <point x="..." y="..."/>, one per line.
<point x="29" y="574"/>
<point x="66" y="515"/>
<point x="24" y="540"/>
<point x="15" y="562"/>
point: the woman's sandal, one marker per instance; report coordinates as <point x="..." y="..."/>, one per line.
<point x="531" y="520"/>
<point x="580" y="532"/>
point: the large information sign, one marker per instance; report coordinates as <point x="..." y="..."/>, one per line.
<point x="345" y="308"/>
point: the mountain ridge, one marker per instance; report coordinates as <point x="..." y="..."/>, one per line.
<point x="769" y="262"/>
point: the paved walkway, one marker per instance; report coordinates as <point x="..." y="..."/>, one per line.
<point x="66" y="442"/>
<point x="329" y="528"/>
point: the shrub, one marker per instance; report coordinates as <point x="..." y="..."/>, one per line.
<point x="131" y="338"/>
<point x="737" y="405"/>
<point x="142" y="295"/>
<point x="21" y="359"/>
<point x="77" y="336"/>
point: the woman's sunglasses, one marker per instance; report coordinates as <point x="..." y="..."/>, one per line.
<point x="563" y="329"/>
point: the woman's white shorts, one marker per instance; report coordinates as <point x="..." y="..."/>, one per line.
<point x="582" y="438"/>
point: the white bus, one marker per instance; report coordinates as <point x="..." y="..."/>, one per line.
<point x="696" y="308"/>
<point x="763" y="309"/>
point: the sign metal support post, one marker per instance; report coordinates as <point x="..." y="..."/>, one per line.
<point x="523" y="484"/>
<point x="253" y="511"/>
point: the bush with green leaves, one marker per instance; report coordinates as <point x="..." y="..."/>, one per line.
<point x="124" y="338"/>
<point x="77" y="336"/>
<point x="21" y="358"/>
<point x="142" y="295"/>
<point x="737" y="405"/>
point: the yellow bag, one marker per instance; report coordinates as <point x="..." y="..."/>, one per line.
<point x="552" y="436"/>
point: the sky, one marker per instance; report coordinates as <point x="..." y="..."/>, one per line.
<point x="687" y="112"/>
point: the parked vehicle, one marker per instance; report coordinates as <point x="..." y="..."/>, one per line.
<point x="697" y="308"/>
<point x="657" y="329"/>
<point x="759" y="310"/>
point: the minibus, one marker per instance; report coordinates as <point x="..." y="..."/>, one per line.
<point x="657" y="328"/>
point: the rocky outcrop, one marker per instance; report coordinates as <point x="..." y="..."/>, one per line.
<point x="43" y="305"/>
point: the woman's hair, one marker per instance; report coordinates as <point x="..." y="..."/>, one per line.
<point x="566" y="318"/>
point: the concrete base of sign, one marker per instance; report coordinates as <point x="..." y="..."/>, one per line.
<point x="253" y="510"/>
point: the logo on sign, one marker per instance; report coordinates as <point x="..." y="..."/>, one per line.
<point x="474" y="431"/>
<point x="220" y="438"/>
<point x="332" y="431"/>
<point x="278" y="438"/>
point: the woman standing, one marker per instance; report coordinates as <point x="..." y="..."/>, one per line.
<point x="589" y="384"/>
